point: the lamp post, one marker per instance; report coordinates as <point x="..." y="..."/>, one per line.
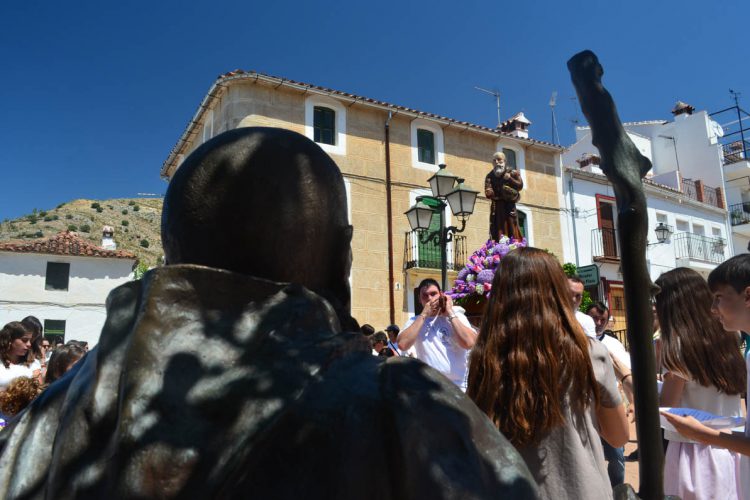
<point x="447" y="190"/>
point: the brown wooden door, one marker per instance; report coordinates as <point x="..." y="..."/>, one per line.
<point x="607" y="227"/>
<point x="617" y="307"/>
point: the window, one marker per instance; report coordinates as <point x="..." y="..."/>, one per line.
<point x="58" y="275"/>
<point x="661" y="218"/>
<point x="425" y="146"/>
<point x="510" y="158"/>
<point x="522" y="224"/>
<point x="699" y="229"/>
<point x="716" y="232"/>
<point x="54" y="330"/>
<point x="324" y="125"/>
<point x="682" y="226"/>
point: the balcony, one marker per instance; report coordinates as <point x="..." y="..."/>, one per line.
<point x="739" y="215"/>
<point x="427" y="255"/>
<point x="604" y="245"/>
<point x="696" y="190"/>
<point x="696" y="248"/>
<point x="735" y="152"/>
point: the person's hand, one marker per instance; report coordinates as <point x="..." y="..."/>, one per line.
<point x="448" y="306"/>
<point x="506" y="176"/>
<point x="690" y="428"/>
<point x="432" y="308"/>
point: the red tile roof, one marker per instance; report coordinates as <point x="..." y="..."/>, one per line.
<point x="64" y="243"/>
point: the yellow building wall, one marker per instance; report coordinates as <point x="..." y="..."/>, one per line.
<point x="468" y="154"/>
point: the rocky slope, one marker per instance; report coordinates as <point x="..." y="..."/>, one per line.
<point x="136" y="221"/>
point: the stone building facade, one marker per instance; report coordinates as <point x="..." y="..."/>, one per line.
<point x="382" y="147"/>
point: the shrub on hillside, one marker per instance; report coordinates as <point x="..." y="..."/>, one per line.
<point x="100" y="210"/>
<point x="38" y="234"/>
<point x="43" y="213"/>
<point x="72" y="227"/>
<point x="145" y="243"/>
<point x="68" y="216"/>
<point x="125" y="212"/>
<point x="131" y="203"/>
<point x="125" y="223"/>
<point x="95" y="205"/>
<point x="85" y="228"/>
<point x="136" y="208"/>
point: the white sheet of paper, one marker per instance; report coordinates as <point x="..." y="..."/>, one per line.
<point x="717" y="422"/>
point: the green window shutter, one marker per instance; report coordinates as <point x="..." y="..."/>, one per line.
<point x="324" y="125"/>
<point x="426" y="146"/>
<point x="429" y="253"/>
<point x="522" y="224"/>
<point x="510" y="158"/>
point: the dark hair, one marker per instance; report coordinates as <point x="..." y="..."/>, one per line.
<point x="734" y="272"/>
<point x="693" y="342"/>
<point x="367" y="329"/>
<point x="427" y="282"/>
<point x="599" y="306"/>
<point x="392" y="328"/>
<point x="34" y="326"/>
<point x="379" y="337"/>
<point x="576" y="278"/>
<point x="62" y="358"/>
<point x="531" y="354"/>
<point x="10" y="332"/>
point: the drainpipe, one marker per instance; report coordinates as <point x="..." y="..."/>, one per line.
<point x="389" y="218"/>
<point x="573" y="217"/>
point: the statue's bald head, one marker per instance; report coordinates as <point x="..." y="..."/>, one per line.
<point x="265" y="202"/>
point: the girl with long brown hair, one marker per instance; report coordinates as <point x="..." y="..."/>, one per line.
<point x="704" y="369"/>
<point x="543" y="382"/>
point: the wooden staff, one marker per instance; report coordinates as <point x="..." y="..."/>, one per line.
<point x="625" y="167"/>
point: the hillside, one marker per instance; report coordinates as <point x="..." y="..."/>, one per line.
<point x="137" y="223"/>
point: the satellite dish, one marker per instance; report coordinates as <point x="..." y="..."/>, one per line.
<point x="716" y="129"/>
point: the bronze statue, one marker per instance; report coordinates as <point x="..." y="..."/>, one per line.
<point x="502" y="186"/>
<point x="229" y="372"/>
<point x="625" y="168"/>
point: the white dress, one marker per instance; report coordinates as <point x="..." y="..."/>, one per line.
<point x="697" y="471"/>
<point x="15" y="371"/>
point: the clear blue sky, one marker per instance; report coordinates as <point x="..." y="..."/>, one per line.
<point x="95" y="94"/>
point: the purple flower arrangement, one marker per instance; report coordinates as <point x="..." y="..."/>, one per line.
<point x="475" y="279"/>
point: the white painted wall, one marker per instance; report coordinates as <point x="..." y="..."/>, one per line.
<point x="22" y="290"/>
<point x="660" y="257"/>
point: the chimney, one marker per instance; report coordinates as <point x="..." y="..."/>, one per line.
<point x="517" y="126"/>
<point x="108" y="242"/>
<point x="683" y="109"/>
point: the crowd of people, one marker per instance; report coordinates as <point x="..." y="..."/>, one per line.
<point x="555" y="379"/>
<point x="30" y="363"/>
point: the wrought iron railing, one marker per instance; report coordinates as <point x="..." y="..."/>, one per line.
<point x="604" y="244"/>
<point x="698" y="247"/>
<point x="696" y="190"/>
<point x="735" y="151"/>
<point x="418" y="254"/>
<point x="739" y="213"/>
<point x="689" y="189"/>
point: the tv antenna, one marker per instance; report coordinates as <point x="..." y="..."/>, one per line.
<point x="736" y="97"/>
<point x="496" y="94"/>
<point x="552" y="103"/>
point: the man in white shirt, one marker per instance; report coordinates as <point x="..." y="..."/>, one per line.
<point x="440" y="335"/>
<point x="576" y="291"/>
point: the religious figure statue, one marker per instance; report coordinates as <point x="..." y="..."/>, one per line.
<point x="502" y="186"/>
<point x="237" y="371"/>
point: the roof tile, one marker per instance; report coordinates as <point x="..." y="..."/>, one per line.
<point x="64" y="243"/>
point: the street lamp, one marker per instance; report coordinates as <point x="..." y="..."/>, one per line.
<point x="460" y="198"/>
<point x="663" y="232"/>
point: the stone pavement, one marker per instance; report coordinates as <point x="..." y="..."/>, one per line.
<point x="631" y="468"/>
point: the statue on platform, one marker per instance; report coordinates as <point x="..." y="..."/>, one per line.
<point x="231" y="373"/>
<point x="502" y="186"/>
